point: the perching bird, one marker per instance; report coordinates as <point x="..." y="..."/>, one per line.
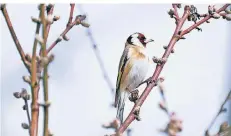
<point x="133" y="67"/>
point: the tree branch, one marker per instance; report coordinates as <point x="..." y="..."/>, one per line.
<point x="35" y="86"/>
<point x="71" y="14"/>
<point x="202" y="21"/>
<point x="176" y="12"/>
<point x="78" y="20"/>
<point x="221" y="110"/>
<point x="50" y="10"/>
<point x="174" y="39"/>
<point x="45" y="71"/>
<point x="99" y="58"/>
<point x="14" y="36"/>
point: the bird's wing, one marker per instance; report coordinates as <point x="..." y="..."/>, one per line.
<point x="123" y="62"/>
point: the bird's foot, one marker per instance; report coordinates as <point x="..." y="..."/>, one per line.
<point x="147" y="81"/>
<point x="137" y="113"/>
<point x="134" y="95"/>
<point x="159" y="61"/>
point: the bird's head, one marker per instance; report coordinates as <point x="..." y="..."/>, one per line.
<point x="138" y="39"/>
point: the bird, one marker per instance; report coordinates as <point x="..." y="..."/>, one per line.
<point x="133" y="67"/>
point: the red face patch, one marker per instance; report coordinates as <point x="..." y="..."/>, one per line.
<point x="141" y="37"/>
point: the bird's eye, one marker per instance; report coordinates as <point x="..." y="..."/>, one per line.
<point x="142" y="38"/>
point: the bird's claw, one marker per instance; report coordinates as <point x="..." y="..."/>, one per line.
<point x="137" y="113"/>
<point x="150" y="80"/>
<point x="147" y="81"/>
<point x="134" y="95"/>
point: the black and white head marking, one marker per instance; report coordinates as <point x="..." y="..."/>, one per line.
<point x="138" y="39"/>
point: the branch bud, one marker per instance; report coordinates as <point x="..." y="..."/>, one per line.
<point x="187" y="7"/>
<point x="85" y="24"/>
<point x="49" y="6"/>
<point x="24" y="107"/>
<point x="26" y="79"/>
<point x="80" y="20"/>
<point x="17" y="95"/>
<point x="25" y="125"/>
<point x="44" y="61"/>
<point x="211" y="9"/>
<point x="171" y="13"/>
<point x="28" y="64"/>
<point x="178" y="6"/>
<point x="36" y="20"/>
<point x="3" y="6"/>
<point x="59" y="39"/>
<point x="216" y="15"/>
<point x="39" y="38"/>
<point x="28" y="57"/>
<point x="66" y="38"/>
<point x="50" y="19"/>
<point x="228" y="17"/>
<point x="56" y="18"/>
<point x="46" y="104"/>
<point x="24" y="94"/>
<point x="51" y="58"/>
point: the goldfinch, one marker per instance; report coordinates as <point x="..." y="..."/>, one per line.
<point x="133" y="67"/>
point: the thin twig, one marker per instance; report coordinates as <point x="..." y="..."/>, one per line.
<point x="163" y="104"/>
<point x="35" y="85"/>
<point x="70" y="24"/>
<point x="176" y="12"/>
<point x="174" y="39"/>
<point x="202" y="21"/>
<point x="221" y="110"/>
<point x="27" y="113"/>
<point x="49" y="12"/>
<point x="45" y="72"/>
<point x="14" y="36"/>
<point x="71" y="13"/>
<point x="98" y="56"/>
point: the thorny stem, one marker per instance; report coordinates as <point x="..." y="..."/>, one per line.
<point x="70" y="24"/>
<point x="45" y="72"/>
<point x="174" y="39"/>
<point x="13" y="34"/>
<point x="219" y="112"/>
<point x="34" y="87"/>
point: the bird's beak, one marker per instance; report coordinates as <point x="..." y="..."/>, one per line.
<point x="148" y="40"/>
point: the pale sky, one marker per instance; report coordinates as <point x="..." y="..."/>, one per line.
<point x="197" y="76"/>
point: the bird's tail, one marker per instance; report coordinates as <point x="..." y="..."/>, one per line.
<point x="121" y="102"/>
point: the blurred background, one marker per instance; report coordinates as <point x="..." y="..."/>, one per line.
<point x="197" y="76"/>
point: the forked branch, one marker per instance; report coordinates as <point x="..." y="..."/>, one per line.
<point x="178" y="34"/>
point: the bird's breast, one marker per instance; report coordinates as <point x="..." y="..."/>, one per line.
<point x="137" y="73"/>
